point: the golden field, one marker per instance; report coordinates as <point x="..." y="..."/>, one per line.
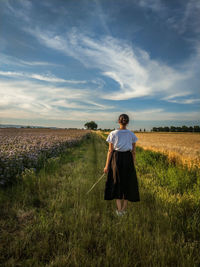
<point x="180" y="147"/>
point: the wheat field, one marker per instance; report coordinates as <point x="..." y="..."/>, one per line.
<point x="182" y="148"/>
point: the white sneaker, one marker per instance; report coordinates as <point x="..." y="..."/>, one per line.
<point x="119" y="213"/>
<point x="123" y="211"/>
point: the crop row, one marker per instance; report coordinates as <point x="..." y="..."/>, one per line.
<point x="27" y="148"/>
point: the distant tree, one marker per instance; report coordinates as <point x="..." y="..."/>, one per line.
<point x="166" y="129"/>
<point x="140" y="129"/>
<point x="91" y="125"/>
<point x="172" y="129"/>
<point x="108" y="130"/>
<point x="191" y="129"/>
<point x="196" y="128"/>
<point x="185" y="128"/>
<point x="144" y="130"/>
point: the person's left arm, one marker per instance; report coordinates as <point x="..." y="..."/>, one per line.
<point x="134" y="140"/>
<point x="110" y="150"/>
<point x="134" y="153"/>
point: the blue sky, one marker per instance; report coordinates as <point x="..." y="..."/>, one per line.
<point x="66" y="62"/>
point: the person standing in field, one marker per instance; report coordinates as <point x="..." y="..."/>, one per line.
<point x="121" y="183"/>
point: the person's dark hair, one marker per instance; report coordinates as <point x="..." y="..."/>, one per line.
<point x="123" y="119"/>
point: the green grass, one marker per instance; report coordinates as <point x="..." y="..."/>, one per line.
<point x="48" y="220"/>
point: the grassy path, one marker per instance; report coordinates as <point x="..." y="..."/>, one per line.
<point x="50" y="221"/>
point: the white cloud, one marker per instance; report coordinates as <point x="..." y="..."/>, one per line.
<point x="132" y="68"/>
<point x="37" y="63"/>
<point x="45" y="101"/>
<point x="186" y="101"/>
<point x="189" y="19"/>
<point x="162" y="114"/>
<point x="185" y="17"/>
<point x="46" y="78"/>
<point x="136" y="74"/>
<point x="38" y="110"/>
<point x="175" y="98"/>
<point x="22" y="11"/>
<point x="155" y="5"/>
<point x="175" y="95"/>
<point x="10" y="73"/>
<point x="15" y="62"/>
<point x="27" y="100"/>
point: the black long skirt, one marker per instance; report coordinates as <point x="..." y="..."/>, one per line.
<point x="121" y="178"/>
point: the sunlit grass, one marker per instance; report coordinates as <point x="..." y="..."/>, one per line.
<point x="48" y="220"/>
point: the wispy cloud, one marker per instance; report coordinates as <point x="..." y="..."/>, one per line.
<point x="26" y="107"/>
<point x="7" y="60"/>
<point x="185" y="101"/>
<point x="172" y="96"/>
<point x="162" y="114"/>
<point x="38" y="63"/>
<point x="102" y="17"/>
<point x="122" y="71"/>
<point x="24" y="99"/>
<point x="189" y="19"/>
<point x="46" y="78"/>
<point x="155" y="5"/>
<point x="182" y="19"/>
<point x="46" y="101"/>
<point x="22" y="11"/>
<point x="132" y="68"/>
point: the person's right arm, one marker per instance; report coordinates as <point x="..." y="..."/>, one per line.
<point x="110" y="150"/>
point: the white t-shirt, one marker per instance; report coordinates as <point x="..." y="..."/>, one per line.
<point x="122" y="139"/>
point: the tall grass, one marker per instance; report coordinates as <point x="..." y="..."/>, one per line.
<point x="48" y="220"/>
<point x="176" y="189"/>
